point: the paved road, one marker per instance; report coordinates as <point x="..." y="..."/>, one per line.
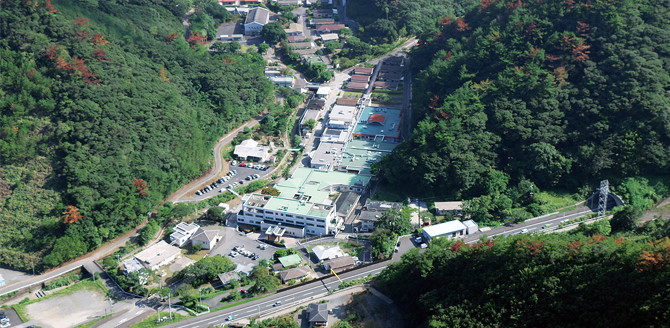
<point x="187" y="193"/>
<point x="293" y="297"/>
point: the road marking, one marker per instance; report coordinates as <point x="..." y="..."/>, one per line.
<point x="138" y="312"/>
<point x="123" y="320"/>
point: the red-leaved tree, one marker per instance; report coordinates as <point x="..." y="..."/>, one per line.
<point x="72" y="214"/>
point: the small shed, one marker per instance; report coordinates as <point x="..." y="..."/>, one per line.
<point x="470" y="227"/>
<point x="228" y="277"/>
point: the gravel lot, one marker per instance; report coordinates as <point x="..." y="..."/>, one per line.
<point x="68" y="310"/>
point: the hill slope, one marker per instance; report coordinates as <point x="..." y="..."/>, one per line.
<point x="104" y="107"/>
<point x="557" y="93"/>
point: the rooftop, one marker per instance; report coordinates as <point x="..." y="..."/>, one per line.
<point x="316" y="103"/>
<point x="227" y="277"/>
<point x="257" y="15"/>
<point x="321" y="21"/>
<point x="361" y="153"/>
<point x="317" y="312"/>
<point x="290" y="260"/>
<point x="327" y="153"/>
<point x="157" y="253"/>
<point x="315" y="184"/>
<point x="449" y="206"/>
<point x="294" y="273"/>
<point x="342" y="113"/>
<point x="330" y="27"/>
<point x="444" y="228"/>
<point x="205" y="236"/>
<point x="386" y="85"/>
<point x="298" y="207"/>
<point x="347" y="101"/>
<point x="324" y="91"/>
<point x="295" y="28"/>
<point x="357" y="85"/>
<point x="379" y="121"/>
<point x="296" y="38"/>
<point x="329" y="37"/>
<point x="310" y="114"/>
<point x="250" y="147"/>
<point x="346" y="202"/>
<point x="363" y="70"/>
<point x="322" y="253"/>
<point x="382" y="206"/>
<point x="360" y="78"/>
<point x="340" y="262"/>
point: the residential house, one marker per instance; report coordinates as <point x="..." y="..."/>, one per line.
<point x="249" y="150"/>
<point x="294" y="273"/>
<point x="364" y="70"/>
<point x="330" y="37"/>
<point x="358" y="86"/>
<point x="283" y="81"/>
<point x="289" y="260"/>
<point x="386" y="85"/>
<point x="360" y="78"/>
<point x="327" y="253"/>
<point x="304" y="53"/>
<point x="317" y="314"/>
<point x="322" y="13"/>
<point x="322" y="92"/>
<point x="206" y="238"/>
<point x="347" y="101"/>
<point x="301" y="45"/>
<point x="182" y="232"/>
<point x="132" y="265"/>
<point x="228" y="277"/>
<point x="389" y="77"/>
<point x="322" y="21"/>
<point x="339" y="264"/>
<point x="158" y="255"/>
<point x="295" y="29"/>
<point x="256" y="19"/>
<point x="296" y="38"/>
<point x="329" y="28"/>
<point x="372" y="211"/>
<point x="455" y="208"/>
<point x="450" y="230"/>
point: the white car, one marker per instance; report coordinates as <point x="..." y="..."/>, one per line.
<point x="524" y="230"/>
<point x="418" y="239"/>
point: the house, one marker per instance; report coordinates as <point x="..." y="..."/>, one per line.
<point x="360" y="78"/>
<point x="455" y="208"/>
<point x="329" y="37"/>
<point x="317" y="314"/>
<point x="347" y="102"/>
<point x="301" y="45"/>
<point x="228" y="277"/>
<point x="391" y="68"/>
<point x="296" y="38"/>
<point x="256" y="19"/>
<point x="283" y="81"/>
<point x="470" y="227"/>
<point x="309" y="116"/>
<point x="389" y="77"/>
<point x="364" y="70"/>
<point x="372" y="211"/>
<point x="182" y="232"/>
<point x="295" y="273"/>
<point x="272" y="72"/>
<point x="132" y="265"/>
<point x="295" y="29"/>
<point x="206" y="238"/>
<point x="326" y="253"/>
<point x="322" y="21"/>
<point x="289" y="260"/>
<point x="322" y="92"/>
<point x="358" y="86"/>
<point x="158" y="255"/>
<point x="322" y="13"/>
<point x="339" y="264"/>
<point x="315" y="104"/>
<point x="305" y="52"/>
<point x="329" y="28"/>
<point x="295" y="3"/>
<point x="386" y="85"/>
<point x="249" y="150"/>
<point x="450" y="230"/>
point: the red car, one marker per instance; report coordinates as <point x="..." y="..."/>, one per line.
<point x="243" y="291"/>
<point x="242" y="165"/>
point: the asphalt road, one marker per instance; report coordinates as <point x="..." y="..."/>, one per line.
<point x="309" y="291"/>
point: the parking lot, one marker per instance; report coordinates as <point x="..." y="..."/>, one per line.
<point x="234" y="238"/>
<point x="239" y="178"/>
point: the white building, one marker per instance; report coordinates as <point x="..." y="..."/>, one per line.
<point x="323" y="253"/>
<point x="206" y="238"/>
<point x="158" y="255"/>
<point x="283" y="81"/>
<point x="342" y="117"/>
<point x="471" y="227"/>
<point x="256" y="19"/>
<point x="249" y="150"/>
<point x="450" y="230"/>
<point x="132" y="265"/>
<point x="322" y="92"/>
<point x="182" y="232"/>
<point x="455" y="208"/>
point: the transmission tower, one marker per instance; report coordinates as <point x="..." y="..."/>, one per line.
<point x="604" y="192"/>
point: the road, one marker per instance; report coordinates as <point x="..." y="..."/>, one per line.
<point x="292" y="298"/>
<point x="187" y="192"/>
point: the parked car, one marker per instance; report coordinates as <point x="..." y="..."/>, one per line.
<point x="233" y="163"/>
<point x="242" y="164"/>
<point x="198" y="193"/>
<point x="230" y="317"/>
<point x="524" y="230"/>
<point x="256" y="176"/>
<point x="277" y="303"/>
<point x="234" y="171"/>
<point x="424" y="245"/>
<point x="418" y="239"/>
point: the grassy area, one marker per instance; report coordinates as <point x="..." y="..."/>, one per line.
<point x="383" y="194"/>
<point x="553" y="200"/>
<point x="91" y="323"/>
<point x="246" y="300"/>
<point x="95" y="286"/>
<point x="151" y="320"/>
<point x="197" y="256"/>
<point x="349" y="94"/>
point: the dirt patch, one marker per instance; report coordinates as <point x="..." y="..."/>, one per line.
<point x="369" y="311"/>
<point x="68" y="310"/>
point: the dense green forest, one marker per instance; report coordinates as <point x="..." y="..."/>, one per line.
<point x="105" y="108"/>
<point x="548" y="94"/>
<point x="577" y="279"/>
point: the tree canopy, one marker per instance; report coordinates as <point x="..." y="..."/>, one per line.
<point x="106" y="108"/>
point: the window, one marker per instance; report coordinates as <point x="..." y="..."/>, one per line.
<point x="310" y="219"/>
<point x="259" y="216"/>
<point x="289" y="215"/>
<point x="280" y="219"/>
<point x="320" y="225"/>
<point x="310" y="224"/>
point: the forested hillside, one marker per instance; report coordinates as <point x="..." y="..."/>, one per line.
<point x="105" y="109"/>
<point x="554" y="280"/>
<point x="549" y="93"/>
